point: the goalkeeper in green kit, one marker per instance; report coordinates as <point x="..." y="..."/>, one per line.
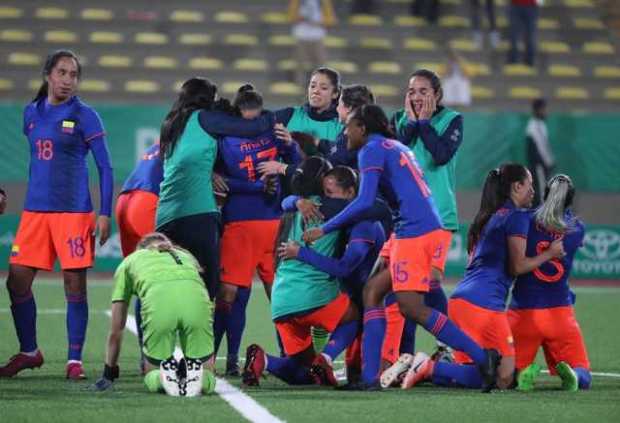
<point x="174" y="302"/>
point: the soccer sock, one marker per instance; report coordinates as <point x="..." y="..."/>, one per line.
<point x="208" y="381"/>
<point x="236" y="324"/>
<point x="439" y="325"/>
<point x="372" y="342"/>
<point x="436" y="298"/>
<point x="24" y="310"/>
<point x="221" y="317"/>
<point x="407" y="340"/>
<point x="394" y="325"/>
<point x="449" y="374"/>
<point x="319" y="338"/>
<point x="584" y="376"/>
<point x="341" y="338"/>
<point x="152" y="381"/>
<point x="77" y="321"/>
<point x="289" y="370"/>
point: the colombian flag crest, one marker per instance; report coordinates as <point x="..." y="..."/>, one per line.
<point x="68" y="126"/>
<point x="14" y="250"/>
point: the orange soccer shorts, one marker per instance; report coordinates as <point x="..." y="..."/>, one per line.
<point x="247" y="246"/>
<point x="489" y="328"/>
<point x="135" y="216"/>
<point x="295" y="331"/>
<point x="411" y="260"/>
<point x="43" y="236"/>
<point x="555" y="329"/>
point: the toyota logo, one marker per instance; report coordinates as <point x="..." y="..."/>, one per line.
<point x="601" y="244"/>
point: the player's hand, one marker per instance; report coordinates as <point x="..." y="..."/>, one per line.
<point x="288" y="250"/>
<point x="103" y="229"/>
<point x="219" y="183"/>
<point x="282" y="133"/>
<point x="309" y="210"/>
<point x="271" y="185"/>
<point x="2" y="202"/>
<point x="428" y="107"/>
<point x="271" y="167"/>
<point x="313" y="234"/>
<point x="556" y="249"/>
<point x="409" y="107"/>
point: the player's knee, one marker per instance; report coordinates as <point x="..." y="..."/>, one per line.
<point x="505" y="373"/>
<point x="227" y="292"/>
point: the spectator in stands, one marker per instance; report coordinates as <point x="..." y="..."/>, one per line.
<point x="475" y="22"/>
<point x="310" y="19"/>
<point x="429" y="9"/>
<point x="456" y="82"/>
<point x="540" y="158"/>
<point x="2" y="200"/>
<point x="523" y="16"/>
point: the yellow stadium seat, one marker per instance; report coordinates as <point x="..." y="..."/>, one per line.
<point x="384" y="90"/>
<point x="521" y="92"/>
<point x="415" y="43"/>
<point x="34" y="84"/>
<point x="501" y="22"/>
<point x="572" y="93"/>
<point x="114" y="61"/>
<point x="285" y="89"/>
<point x="547" y="23"/>
<point x="365" y="20"/>
<point x="250" y="65"/>
<point x="376" y="43"/>
<point x="438" y="68"/>
<point x="195" y="39"/>
<point x="51" y="13"/>
<point x="588" y="23"/>
<point x="343" y="66"/>
<point x="598" y="47"/>
<point x="579" y="3"/>
<point x="6" y="84"/>
<point x="231" y="87"/>
<point x="463" y="44"/>
<point x="97" y="14"/>
<point x="187" y="16"/>
<point x="452" y="2"/>
<point x="335" y="42"/>
<point x="154" y="38"/>
<point x="142" y="86"/>
<point x="160" y="62"/>
<point x="454" y="21"/>
<point x="612" y="93"/>
<point x="477" y="69"/>
<point x="95" y="85"/>
<point x="274" y="18"/>
<point x="482" y="93"/>
<point x="287" y="65"/>
<point x="241" y="40"/>
<point x="16" y="35"/>
<point x="554" y="47"/>
<point x="106" y="37"/>
<point x="24" y="59"/>
<point x="206" y="63"/>
<point x="519" y="70"/>
<point x="409" y="21"/>
<point x="607" y="71"/>
<point x="392" y="68"/>
<point x="501" y="3"/>
<point x="564" y="71"/>
<point x="232" y="17"/>
<point x="8" y="12"/>
<point x="282" y="40"/>
<point x="60" y="36"/>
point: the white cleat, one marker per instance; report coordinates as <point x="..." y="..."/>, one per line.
<point x="395" y="373"/>
<point x="419" y="371"/>
<point x="168" y="372"/>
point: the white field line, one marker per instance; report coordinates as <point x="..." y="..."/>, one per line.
<point x="244" y="404"/>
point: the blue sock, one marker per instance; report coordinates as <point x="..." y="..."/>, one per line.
<point x="77" y="321"/>
<point x="407" y="340"/>
<point x="584" y="376"/>
<point x="24" y="311"/>
<point x="236" y="323"/>
<point x="372" y="341"/>
<point x="341" y="338"/>
<point x="289" y="370"/>
<point x="449" y="374"/>
<point x="221" y="317"/>
<point x="138" y="313"/>
<point x="439" y="325"/>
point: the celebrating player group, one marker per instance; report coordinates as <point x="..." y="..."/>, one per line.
<point x="345" y="215"/>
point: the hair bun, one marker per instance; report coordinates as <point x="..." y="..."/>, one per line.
<point x="245" y="88"/>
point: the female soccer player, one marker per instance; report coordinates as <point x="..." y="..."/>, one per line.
<point x="175" y="302"/>
<point x="58" y="219"/>
<point x="391" y="164"/>
<point x="496" y="243"/>
<point x="541" y="311"/>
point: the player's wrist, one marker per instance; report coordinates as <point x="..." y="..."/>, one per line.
<point x="283" y="169"/>
<point x="111" y="372"/>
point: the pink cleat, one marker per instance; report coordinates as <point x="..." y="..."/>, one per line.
<point x="75" y="371"/>
<point x="21" y="361"/>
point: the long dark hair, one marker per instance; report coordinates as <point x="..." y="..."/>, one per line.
<point x="344" y="176"/>
<point x="374" y="120"/>
<point x="196" y="93"/>
<point x="247" y="98"/>
<point x="50" y="62"/>
<point x="354" y="96"/>
<point x="495" y="193"/>
<point x="433" y="79"/>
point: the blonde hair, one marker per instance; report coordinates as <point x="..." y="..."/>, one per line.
<point x="558" y="197"/>
<point x="160" y="242"/>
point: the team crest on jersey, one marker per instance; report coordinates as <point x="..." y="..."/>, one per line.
<point x="14" y="250"/>
<point x="68" y="126"/>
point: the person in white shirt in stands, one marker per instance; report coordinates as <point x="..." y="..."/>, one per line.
<point x="540" y="158"/>
<point x="456" y="82"/>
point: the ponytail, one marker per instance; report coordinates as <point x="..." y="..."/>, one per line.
<point x="559" y="194"/>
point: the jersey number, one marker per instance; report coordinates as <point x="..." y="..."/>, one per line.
<point x="405" y="161"/>
<point x="557" y="264"/>
<point x="45" y="149"/>
<point x="248" y="161"/>
<point x="76" y="247"/>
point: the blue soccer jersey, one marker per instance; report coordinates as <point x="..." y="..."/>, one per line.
<point x="60" y="137"/>
<point x="390" y="166"/>
<point x="148" y="174"/>
<point x="487" y="279"/>
<point x="547" y="286"/>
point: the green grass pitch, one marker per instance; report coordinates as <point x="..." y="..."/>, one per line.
<point x="44" y="395"/>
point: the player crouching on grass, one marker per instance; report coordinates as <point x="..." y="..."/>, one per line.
<point x="174" y="301"/>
